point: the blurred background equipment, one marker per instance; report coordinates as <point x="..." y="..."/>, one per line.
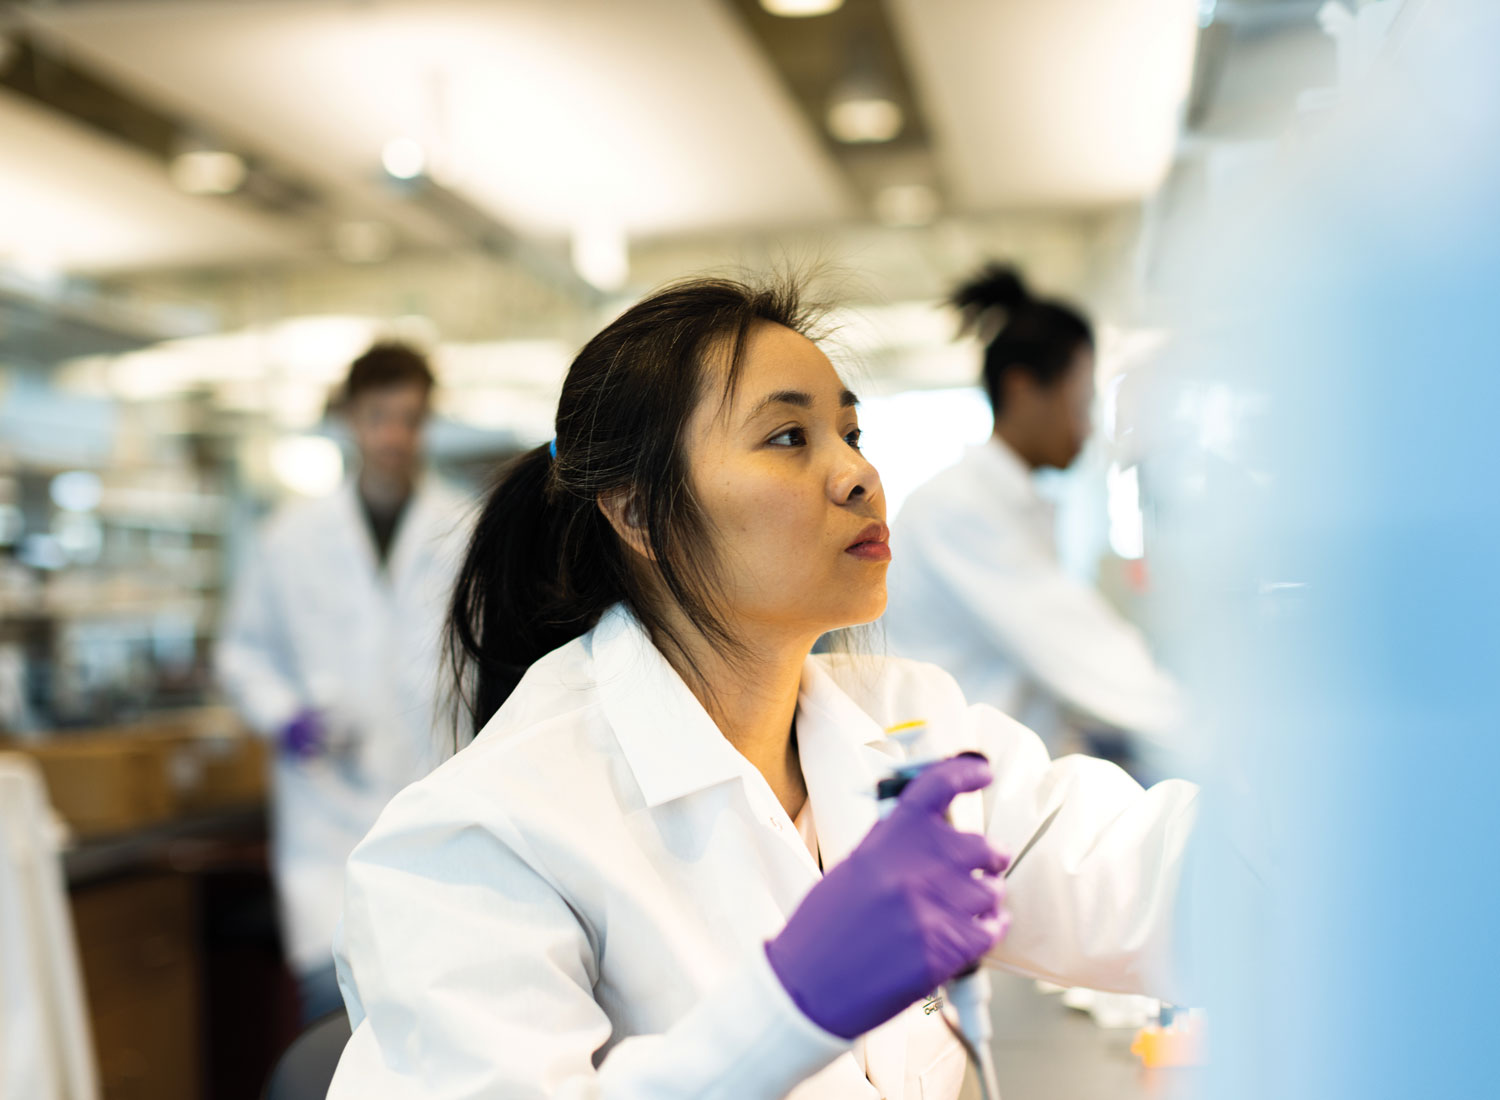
<point x="211" y="208"/>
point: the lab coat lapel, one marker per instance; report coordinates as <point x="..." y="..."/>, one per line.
<point x="356" y="549"/>
<point x="834" y="739"/>
<point x="421" y="534"/>
<point x="844" y="752"/>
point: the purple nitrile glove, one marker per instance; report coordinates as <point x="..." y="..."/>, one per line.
<point x="306" y="735"/>
<point x="901" y="915"/>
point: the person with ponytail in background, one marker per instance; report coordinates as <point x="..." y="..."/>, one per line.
<point x="657" y="869"/>
<point x="977" y="586"/>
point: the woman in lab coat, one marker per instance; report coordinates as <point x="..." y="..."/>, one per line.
<point x="976" y="585"/>
<point x="657" y="870"/>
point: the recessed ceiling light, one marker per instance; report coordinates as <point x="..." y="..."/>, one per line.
<point x="207" y="172"/>
<point x="404" y="158"/>
<point x="801" y="9"/>
<point x="860" y="120"/>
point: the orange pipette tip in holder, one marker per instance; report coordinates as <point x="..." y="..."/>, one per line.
<point x="1177" y="1041"/>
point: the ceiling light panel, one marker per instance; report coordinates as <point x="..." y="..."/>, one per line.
<point x="801" y="9"/>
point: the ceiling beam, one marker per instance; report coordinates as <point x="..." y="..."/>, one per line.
<point x="814" y="57"/>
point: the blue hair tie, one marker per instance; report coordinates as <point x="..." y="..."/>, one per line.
<point x="552" y="447"/>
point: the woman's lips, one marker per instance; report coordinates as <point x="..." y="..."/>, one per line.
<point x="871" y="545"/>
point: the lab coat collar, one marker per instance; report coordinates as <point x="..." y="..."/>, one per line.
<point x="675" y="749"/>
<point x="412" y="532"/>
<point x="1002" y="468"/>
<point x="671" y="744"/>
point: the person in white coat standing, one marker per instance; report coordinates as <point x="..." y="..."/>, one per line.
<point x="657" y="870"/>
<point x="330" y="647"/>
<point x="977" y="586"/>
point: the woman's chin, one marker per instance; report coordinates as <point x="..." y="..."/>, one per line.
<point x="866" y="612"/>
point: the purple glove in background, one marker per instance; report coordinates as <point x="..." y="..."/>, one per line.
<point x="306" y="735"/>
<point x="901" y="915"/>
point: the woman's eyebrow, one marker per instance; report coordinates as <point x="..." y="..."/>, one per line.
<point x="800" y="399"/>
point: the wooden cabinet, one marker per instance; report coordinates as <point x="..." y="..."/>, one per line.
<point x="137" y="938"/>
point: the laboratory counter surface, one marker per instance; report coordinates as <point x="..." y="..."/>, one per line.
<point x="1044" y="1050"/>
<point x="215" y="840"/>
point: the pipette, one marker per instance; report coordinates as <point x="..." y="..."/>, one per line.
<point x="969" y="992"/>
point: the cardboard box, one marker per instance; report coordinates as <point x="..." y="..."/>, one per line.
<point x="119" y="779"/>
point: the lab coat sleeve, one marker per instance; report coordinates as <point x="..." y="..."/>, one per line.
<point x="1062" y="632"/>
<point x="1094" y="902"/>
<point x="468" y="974"/>
<point x="253" y="653"/>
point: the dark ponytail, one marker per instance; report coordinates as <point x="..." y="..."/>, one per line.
<point x="1035" y="336"/>
<point x="543" y="563"/>
<point x="511" y="562"/>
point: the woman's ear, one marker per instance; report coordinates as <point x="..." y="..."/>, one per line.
<point x="623" y="511"/>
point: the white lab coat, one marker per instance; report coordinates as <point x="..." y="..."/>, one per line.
<point x="976" y="587"/>
<point x="46" y="1045"/>
<point x="576" y="904"/>
<point x="314" y="621"/>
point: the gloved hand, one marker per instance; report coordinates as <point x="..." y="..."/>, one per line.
<point x="312" y="733"/>
<point x="901" y="915"/>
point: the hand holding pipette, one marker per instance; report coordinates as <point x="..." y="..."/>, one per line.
<point x="901" y="915"/>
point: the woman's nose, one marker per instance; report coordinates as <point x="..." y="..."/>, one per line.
<point x="854" y="480"/>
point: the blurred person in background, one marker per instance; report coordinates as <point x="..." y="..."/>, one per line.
<point x="977" y="587"/>
<point x="330" y="648"/>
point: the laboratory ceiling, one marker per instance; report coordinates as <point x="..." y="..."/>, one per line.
<point x="547" y="118"/>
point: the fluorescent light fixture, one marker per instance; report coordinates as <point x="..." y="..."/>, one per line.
<point x="906" y="205"/>
<point x="864" y="119"/>
<point x="801" y="9"/>
<point x="404" y="158"/>
<point x="311" y="465"/>
<point x="207" y="172"/>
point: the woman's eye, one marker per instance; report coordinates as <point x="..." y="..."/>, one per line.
<point x="853" y="438"/>
<point x="792" y="437"/>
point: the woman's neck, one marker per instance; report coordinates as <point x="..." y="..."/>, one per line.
<point x="752" y="697"/>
